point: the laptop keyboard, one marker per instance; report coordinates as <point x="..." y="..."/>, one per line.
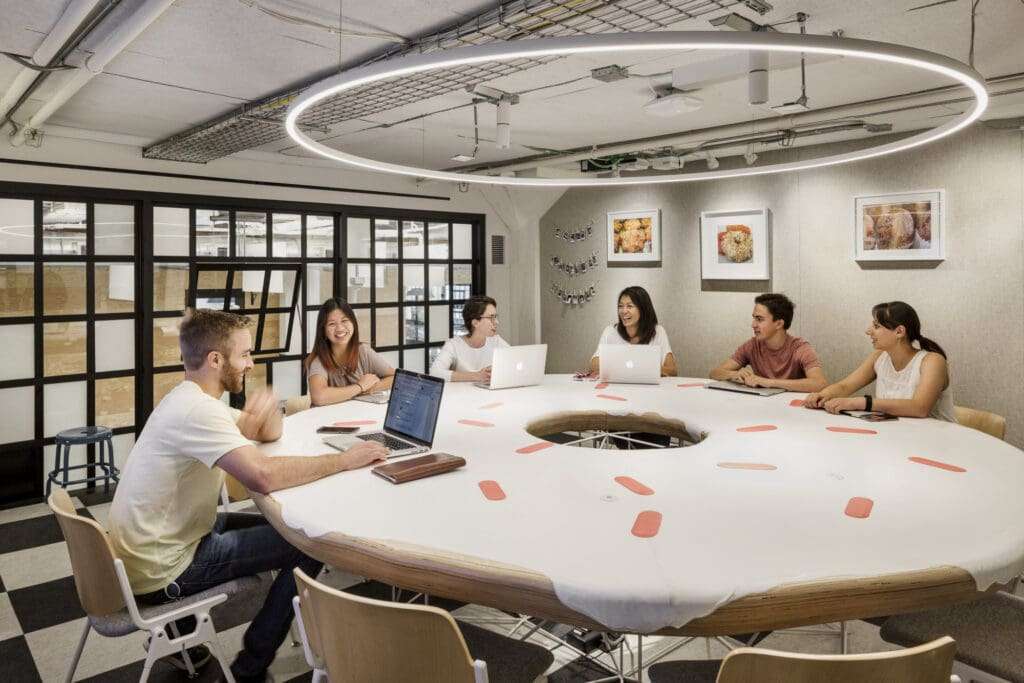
<point x="389" y="442"/>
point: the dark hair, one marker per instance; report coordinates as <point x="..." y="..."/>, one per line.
<point x="895" y="313"/>
<point x="202" y="331"/>
<point x="322" y="345"/>
<point x="474" y="309"/>
<point x="648" y="318"/>
<point x="779" y="306"/>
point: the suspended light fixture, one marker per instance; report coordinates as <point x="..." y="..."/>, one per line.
<point x="672" y="104"/>
<point x="619" y="43"/>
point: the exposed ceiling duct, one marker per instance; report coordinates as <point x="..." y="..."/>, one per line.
<point x="259" y="123"/>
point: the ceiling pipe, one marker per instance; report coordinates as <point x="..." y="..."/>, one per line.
<point x="879" y="107"/>
<point x="117" y="40"/>
<point x="74" y="16"/>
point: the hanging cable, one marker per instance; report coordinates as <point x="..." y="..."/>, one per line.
<point x="974" y="16"/>
<point x="29" y="64"/>
<point x="292" y="19"/>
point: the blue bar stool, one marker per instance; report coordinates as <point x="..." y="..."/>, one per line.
<point x="102" y="437"/>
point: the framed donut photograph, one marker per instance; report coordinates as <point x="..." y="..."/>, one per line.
<point x="909" y="226"/>
<point x="735" y="245"/>
<point x="634" y="236"/>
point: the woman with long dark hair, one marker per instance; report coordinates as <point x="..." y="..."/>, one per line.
<point x="637" y="324"/>
<point x="910" y="381"/>
<point x="340" y="367"/>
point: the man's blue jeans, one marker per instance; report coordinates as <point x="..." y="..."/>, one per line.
<point x="244" y="544"/>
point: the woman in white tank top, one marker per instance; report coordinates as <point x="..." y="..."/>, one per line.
<point x="910" y="381"/>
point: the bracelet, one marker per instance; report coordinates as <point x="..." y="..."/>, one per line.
<point x="867" y="402"/>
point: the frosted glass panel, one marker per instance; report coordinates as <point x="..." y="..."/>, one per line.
<point x="115" y="402"/>
<point x="17" y="226"/>
<point x="391" y="357"/>
<point x="438" y="282"/>
<point x="412" y="282"/>
<point x="386" y="282"/>
<point x="115" y="288"/>
<point x="213" y="229"/>
<point x="311" y="331"/>
<point x="64" y="348"/>
<point x="115" y="345"/>
<point x="412" y="239"/>
<point x="320" y="236"/>
<point x="358" y="238"/>
<point x="16" y="290"/>
<point x="437" y="244"/>
<point x="64" y="289"/>
<point x="64" y="228"/>
<point x="438" y="323"/>
<point x="363" y="324"/>
<point x="251" y="231"/>
<point x="387" y="327"/>
<point x="413" y="325"/>
<point x="414" y="360"/>
<point x="287" y="235"/>
<point x="358" y="283"/>
<point x="170" y="231"/>
<point x="17" y="414"/>
<point x="170" y="280"/>
<point x="165" y="343"/>
<point x="319" y="283"/>
<point x="386" y="239"/>
<point x="462" y="240"/>
<point x="19" y="356"/>
<point x="287" y="378"/>
<point x="63" y="407"/>
<point x="115" y="229"/>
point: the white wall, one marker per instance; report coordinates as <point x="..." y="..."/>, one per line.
<point x="971" y="304"/>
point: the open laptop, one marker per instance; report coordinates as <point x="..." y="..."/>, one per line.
<point x="744" y="389"/>
<point x="411" y="418"/>
<point x="630" y="363"/>
<point x="517" y="366"/>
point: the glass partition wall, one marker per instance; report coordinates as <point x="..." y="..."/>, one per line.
<point x="93" y="284"/>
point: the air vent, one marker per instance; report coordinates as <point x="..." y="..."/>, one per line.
<point x="497" y="250"/>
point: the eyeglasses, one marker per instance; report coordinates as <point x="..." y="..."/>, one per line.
<point x="492" y="318"/>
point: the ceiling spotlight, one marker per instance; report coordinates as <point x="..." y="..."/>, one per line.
<point x="673" y="104"/>
<point x="712" y="160"/>
<point x="749" y="155"/>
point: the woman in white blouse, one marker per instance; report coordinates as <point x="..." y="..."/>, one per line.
<point x="910" y="381"/>
<point x="638" y="324"/>
<point x="468" y="358"/>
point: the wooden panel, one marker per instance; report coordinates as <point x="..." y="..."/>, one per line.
<point x="169" y="285"/>
<point x="16" y="290"/>
<point x="64" y="348"/>
<point x="115" y="402"/>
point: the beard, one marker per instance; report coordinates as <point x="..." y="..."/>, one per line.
<point x="233" y="380"/>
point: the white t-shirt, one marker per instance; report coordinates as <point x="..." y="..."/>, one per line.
<point x="612" y="336"/>
<point x="166" y="501"/>
<point x="459" y="356"/>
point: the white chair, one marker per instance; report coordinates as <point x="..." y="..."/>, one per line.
<point x="310" y="641"/>
<point x="106" y="596"/>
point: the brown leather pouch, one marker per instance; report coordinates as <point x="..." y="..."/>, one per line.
<point x="418" y="468"/>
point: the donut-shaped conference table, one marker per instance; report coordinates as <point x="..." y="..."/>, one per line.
<point x="780" y="516"/>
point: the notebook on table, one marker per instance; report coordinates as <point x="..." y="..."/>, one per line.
<point x="418" y="468"/>
<point x="411" y="418"/>
<point x="517" y="366"/>
<point x="630" y="363"/>
<point x="744" y="389"/>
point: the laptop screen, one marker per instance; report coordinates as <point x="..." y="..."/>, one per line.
<point x="414" y="405"/>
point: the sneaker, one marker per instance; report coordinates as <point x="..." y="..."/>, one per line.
<point x="200" y="656"/>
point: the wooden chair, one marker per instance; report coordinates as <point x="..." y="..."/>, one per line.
<point x="372" y="640"/>
<point x="982" y="420"/>
<point x="296" y="404"/>
<point x="106" y="596"/>
<point x="232" y="492"/>
<point x="929" y="663"/>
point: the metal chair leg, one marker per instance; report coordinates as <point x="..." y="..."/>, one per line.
<point x="78" y="652"/>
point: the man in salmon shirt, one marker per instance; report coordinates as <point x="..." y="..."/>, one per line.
<point x="773" y="358"/>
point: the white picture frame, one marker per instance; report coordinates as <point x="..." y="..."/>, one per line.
<point x="634" y="236"/>
<point x="744" y="255"/>
<point x="910" y="225"/>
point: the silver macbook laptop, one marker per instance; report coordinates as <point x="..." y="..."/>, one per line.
<point x="517" y="366"/>
<point x="375" y="397"/>
<point x="744" y="389"/>
<point x="411" y="418"/>
<point x="630" y="363"/>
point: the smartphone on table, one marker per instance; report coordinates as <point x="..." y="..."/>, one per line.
<point x="331" y="429"/>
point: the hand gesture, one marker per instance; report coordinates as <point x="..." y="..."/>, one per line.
<point x="836" y="405"/>
<point x="484" y="375"/>
<point x="368" y="382"/>
<point x="259" y="405"/>
<point x="814" y="400"/>
<point x="365" y="453"/>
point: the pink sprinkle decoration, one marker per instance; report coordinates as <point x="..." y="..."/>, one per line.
<point x="601" y="385"/>
<point x="610" y="397"/>
<point x="492" y="490"/>
<point x="797" y="403"/>
<point x="476" y="423"/>
<point x="936" y="463"/>
<point x="635" y="486"/>
<point x="850" y="430"/>
<point x="859" y="507"/>
<point x="355" y="423"/>
<point x="534" y="447"/>
<point x="647" y="524"/>
<point x="758" y="428"/>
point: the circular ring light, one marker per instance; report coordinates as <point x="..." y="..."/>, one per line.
<point x="618" y="43"/>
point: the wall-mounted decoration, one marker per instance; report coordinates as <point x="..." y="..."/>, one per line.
<point x="577" y="235"/>
<point x="576" y="267"/>
<point x="900" y="227"/>
<point x="574" y="296"/>
<point x="634" y="236"/>
<point x="735" y="245"/>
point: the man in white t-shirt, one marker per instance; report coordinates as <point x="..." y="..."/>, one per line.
<point x="164" y="523"/>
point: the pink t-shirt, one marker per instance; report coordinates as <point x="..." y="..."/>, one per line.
<point x="792" y="361"/>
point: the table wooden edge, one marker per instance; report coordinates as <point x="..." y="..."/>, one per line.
<point x="524" y="591"/>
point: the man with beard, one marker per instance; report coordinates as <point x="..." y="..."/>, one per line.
<point x="164" y="523"/>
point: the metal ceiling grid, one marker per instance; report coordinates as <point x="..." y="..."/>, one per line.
<point x="259" y="123"/>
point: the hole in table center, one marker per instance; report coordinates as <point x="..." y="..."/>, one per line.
<point x="601" y="430"/>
